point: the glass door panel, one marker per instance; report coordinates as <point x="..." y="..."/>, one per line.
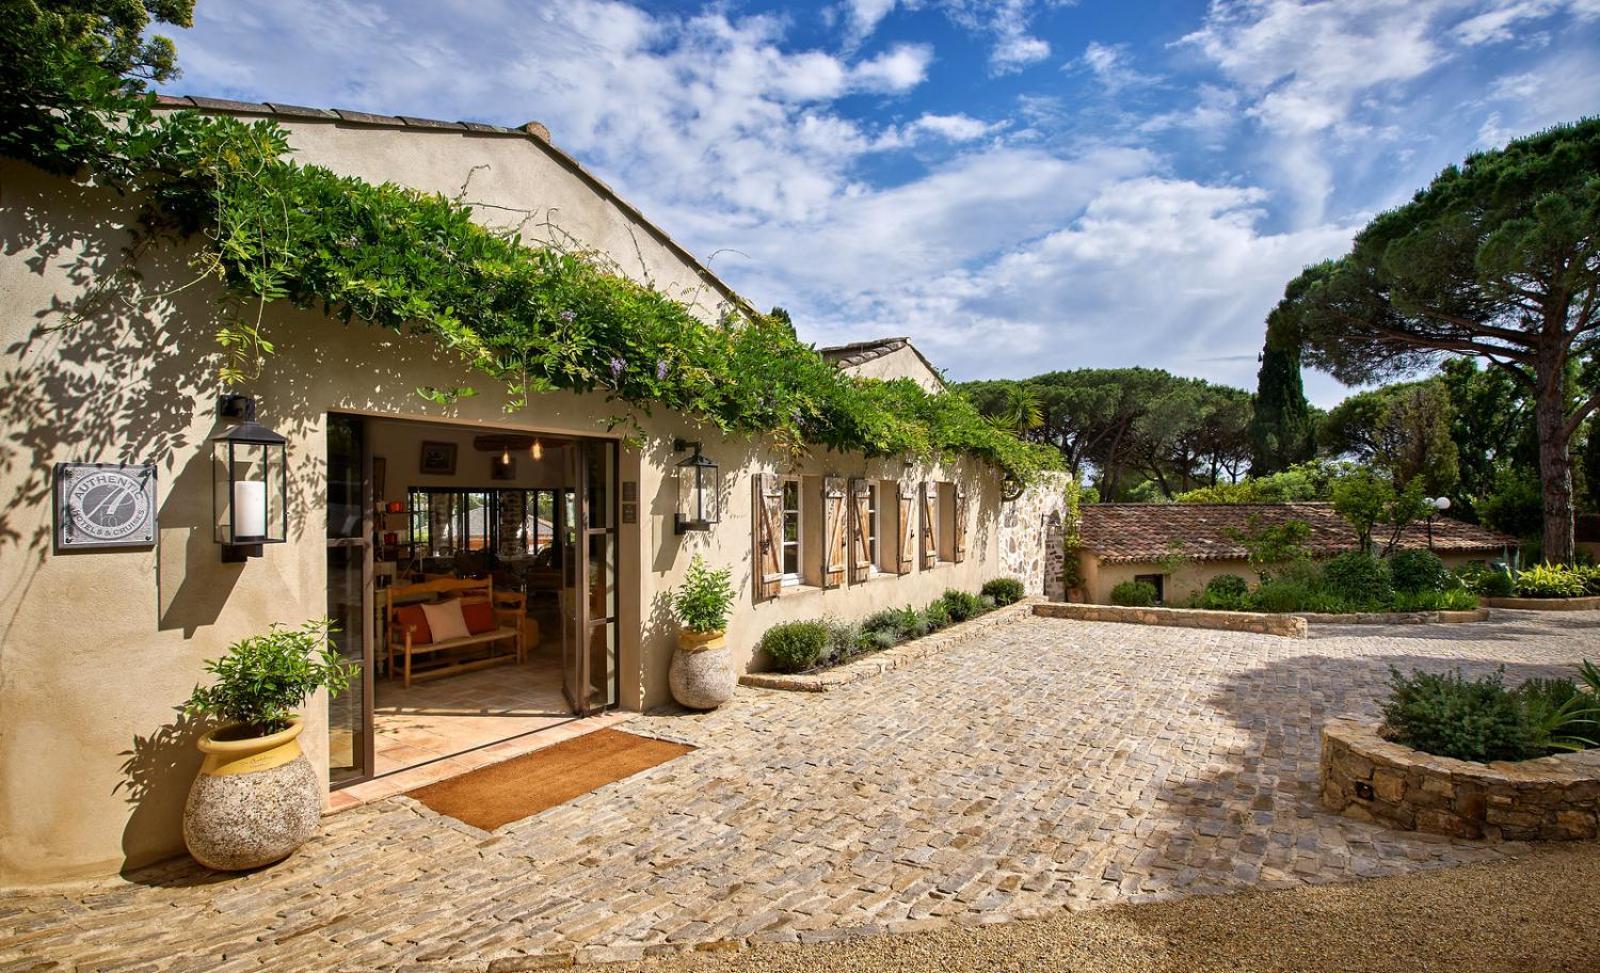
<point x="600" y="530"/>
<point x="574" y="588"/>
<point x="349" y="531"/>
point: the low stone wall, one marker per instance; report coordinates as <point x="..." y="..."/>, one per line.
<point x="1397" y="618"/>
<point x="1370" y="779"/>
<point x="1591" y="603"/>
<point x="889" y="659"/>
<point x="1288" y="626"/>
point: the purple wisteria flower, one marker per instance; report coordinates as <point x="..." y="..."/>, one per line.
<point x="617" y="365"/>
<point x="661" y="369"/>
<point x="568" y="316"/>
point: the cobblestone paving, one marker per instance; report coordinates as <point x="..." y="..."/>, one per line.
<point x="1045" y="764"/>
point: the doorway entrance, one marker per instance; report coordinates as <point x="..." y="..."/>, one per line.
<point x="513" y="531"/>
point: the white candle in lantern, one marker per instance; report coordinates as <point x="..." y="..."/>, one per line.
<point x="249" y="509"/>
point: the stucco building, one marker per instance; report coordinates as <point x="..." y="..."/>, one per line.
<point x="1178" y="547"/>
<point x="382" y="486"/>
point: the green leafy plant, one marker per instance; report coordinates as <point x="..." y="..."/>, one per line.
<point x="1268" y="546"/>
<point x="1359" y="578"/>
<point x="844" y="642"/>
<point x="1414" y="571"/>
<point x="1450" y="716"/>
<point x="1488" y="582"/>
<point x="1004" y="591"/>
<point x="703" y="600"/>
<point x="1133" y="594"/>
<point x="1550" y="581"/>
<point x="795" y="646"/>
<point x="264" y="679"/>
<point x="1226" y="592"/>
<point x="936" y="615"/>
<point x="1282" y="596"/>
<point x="1559" y="716"/>
<point x="962" y="605"/>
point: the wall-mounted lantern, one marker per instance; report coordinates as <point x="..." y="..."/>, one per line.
<point x="698" y="490"/>
<point x="250" y="480"/>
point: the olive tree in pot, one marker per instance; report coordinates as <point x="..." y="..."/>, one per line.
<point x="257" y="798"/>
<point x="702" y="676"/>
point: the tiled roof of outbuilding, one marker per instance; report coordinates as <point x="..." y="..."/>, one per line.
<point x="861" y="352"/>
<point x="1145" y="532"/>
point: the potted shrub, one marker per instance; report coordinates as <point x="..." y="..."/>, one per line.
<point x="257" y="798"/>
<point x="701" y="676"/>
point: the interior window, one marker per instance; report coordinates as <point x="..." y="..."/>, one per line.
<point x="791" y="532"/>
<point x="871" y="527"/>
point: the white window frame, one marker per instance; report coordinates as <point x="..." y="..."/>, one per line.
<point x="873" y="527"/>
<point x="791" y="580"/>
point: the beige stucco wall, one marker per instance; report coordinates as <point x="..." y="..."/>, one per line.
<point x="900" y="363"/>
<point x="97" y="648"/>
<point x="1100" y="576"/>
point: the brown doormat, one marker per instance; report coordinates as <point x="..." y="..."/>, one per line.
<point x="510" y="791"/>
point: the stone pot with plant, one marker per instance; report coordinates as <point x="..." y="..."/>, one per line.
<point x="257" y="798"/>
<point x="702" y="676"/>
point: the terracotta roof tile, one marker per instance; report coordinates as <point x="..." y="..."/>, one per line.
<point x="1144" y="532"/>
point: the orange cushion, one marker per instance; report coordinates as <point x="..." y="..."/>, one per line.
<point x="480" y="617"/>
<point x="411" y="616"/>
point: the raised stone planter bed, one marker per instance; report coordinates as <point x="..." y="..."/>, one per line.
<point x="1368" y="778"/>
<point x="1287" y="626"/>
<point x="1590" y="603"/>
<point x="887" y="660"/>
<point x="1397" y="618"/>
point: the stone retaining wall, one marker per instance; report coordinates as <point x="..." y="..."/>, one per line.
<point x="1288" y="626"/>
<point x="889" y="659"/>
<point x="1397" y="618"/>
<point x="1591" y="603"/>
<point x="1370" y="779"/>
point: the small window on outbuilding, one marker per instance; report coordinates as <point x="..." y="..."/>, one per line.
<point x="1155" y="581"/>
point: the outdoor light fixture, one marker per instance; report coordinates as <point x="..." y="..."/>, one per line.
<point x="698" y="493"/>
<point x="250" y="481"/>
<point x="538" y="450"/>
<point x="1436" y="505"/>
<point x="505" y="456"/>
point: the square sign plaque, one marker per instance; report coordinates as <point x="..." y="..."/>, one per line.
<point x="105" y="505"/>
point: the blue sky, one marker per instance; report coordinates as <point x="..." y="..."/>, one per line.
<point x="1019" y="185"/>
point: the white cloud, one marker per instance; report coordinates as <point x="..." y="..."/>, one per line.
<point x="1111" y="67"/>
<point x="1498" y="23"/>
<point x="1007" y="23"/>
<point x="956" y="128"/>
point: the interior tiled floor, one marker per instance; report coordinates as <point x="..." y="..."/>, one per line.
<point x="449" y="714"/>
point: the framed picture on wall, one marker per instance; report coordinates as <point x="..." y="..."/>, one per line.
<point x="438" y="459"/>
<point x="503" y="469"/>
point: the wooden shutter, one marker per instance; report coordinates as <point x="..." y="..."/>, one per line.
<point x="959" y="539"/>
<point x="835" y="517"/>
<point x="930" y="525"/>
<point x="860" y="513"/>
<point x="768" y="510"/>
<point x="904" y="553"/>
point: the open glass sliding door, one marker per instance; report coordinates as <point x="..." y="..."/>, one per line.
<point x="574" y="582"/>
<point x="349" y="582"/>
<point x="589" y="589"/>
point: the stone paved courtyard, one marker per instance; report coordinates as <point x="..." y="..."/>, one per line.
<point x="1045" y="764"/>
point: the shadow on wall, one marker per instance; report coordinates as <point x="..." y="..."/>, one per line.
<point x="1236" y="826"/>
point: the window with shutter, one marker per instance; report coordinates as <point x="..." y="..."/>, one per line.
<point x="959" y="540"/>
<point x="863" y="530"/>
<point x="835" y="519"/>
<point x="930" y="525"/>
<point x="905" y="553"/>
<point x="768" y="509"/>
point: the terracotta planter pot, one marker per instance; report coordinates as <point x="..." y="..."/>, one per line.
<point x="255" y="801"/>
<point x="701" y="676"/>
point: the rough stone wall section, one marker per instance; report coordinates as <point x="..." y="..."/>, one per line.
<point x="1029" y="549"/>
<point x="889" y="659"/>
<point x="1398" y="618"/>
<point x="1370" y="779"/>
<point x="1586" y="603"/>
<point x="1287" y="626"/>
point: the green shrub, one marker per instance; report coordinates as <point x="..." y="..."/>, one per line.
<point x="1414" y="571"/>
<point x="876" y="640"/>
<point x="1228" y="585"/>
<point x="1134" y="594"/>
<point x="1453" y="599"/>
<point x="1558" y="715"/>
<point x="1358" y="578"/>
<point x="844" y="641"/>
<point x="1004" y="591"/>
<point x="988" y="602"/>
<point x="1590" y="574"/>
<point x="1550" y="581"/>
<point x="1488" y="582"/>
<point x="264" y="679"/>
<point x="703" y="600"/>
<point x="1453" y="717"/>
<point x="1225" y="592"/>
<point x="1282" y="596"/>
<point x="937" y="615"/>
<point x="795" y="646"/>
<point x="963" y="605"/>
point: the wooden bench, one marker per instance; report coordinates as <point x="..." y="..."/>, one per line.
<point x="509" y="608"/>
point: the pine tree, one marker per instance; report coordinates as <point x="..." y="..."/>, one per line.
<point x="1282" y="432"/>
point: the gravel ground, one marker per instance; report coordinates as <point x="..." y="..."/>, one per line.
<point x="1535" y="914"/>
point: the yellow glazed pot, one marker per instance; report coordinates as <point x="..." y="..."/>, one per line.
<point x="701" y="676"/>
<point x="255" y="801"/>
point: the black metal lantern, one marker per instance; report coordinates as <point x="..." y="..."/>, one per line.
<point x="698" y="493"/>
<point x="250" y="480"/>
